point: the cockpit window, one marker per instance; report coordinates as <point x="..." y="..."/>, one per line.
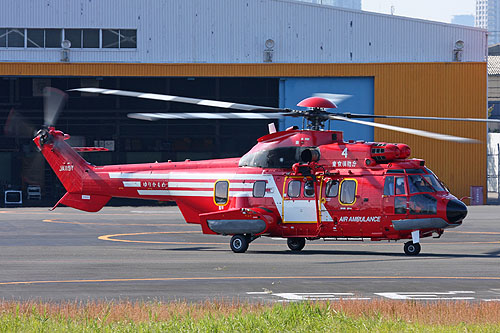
<point x="423" y="204"/>
<point x="418" y="171"/>
<point x="417" y="183"/>
<point x="400" y="186"/>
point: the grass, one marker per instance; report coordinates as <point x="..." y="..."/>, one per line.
<point x="344" y="316"/>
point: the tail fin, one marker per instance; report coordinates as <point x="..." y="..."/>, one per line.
<point x="70" y="168"/>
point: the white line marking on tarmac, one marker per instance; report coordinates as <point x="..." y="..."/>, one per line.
<point x="427" y="295"/>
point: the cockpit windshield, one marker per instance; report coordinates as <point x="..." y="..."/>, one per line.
<point x="436" y="183"/>
<point x="418" y="184"/>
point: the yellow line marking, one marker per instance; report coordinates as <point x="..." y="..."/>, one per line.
<point x="219" y="278"/>
<point x="475" y="232"/>
<point x="113" y="239"/>
<point x="119" y="224"/>
<point x="109" y="238"/>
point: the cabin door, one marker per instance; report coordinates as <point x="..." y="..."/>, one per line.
<point x="299" y="201"/>
<point x="395" y="199"/>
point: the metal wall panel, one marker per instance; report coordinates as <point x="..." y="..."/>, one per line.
<point x="422" y="89"/>
<point x="235" y="31"/>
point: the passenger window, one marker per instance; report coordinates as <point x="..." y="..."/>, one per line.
<point x="309" y="189"/>
<point x="221" y="192"/>
<point x="332" y="189"/>
<point x="348" y="192"/>
<point x="400" y="185"/>
<point x="259" y="189"/>
<point x="294" y="188"/>
<point x="389" y="185"/>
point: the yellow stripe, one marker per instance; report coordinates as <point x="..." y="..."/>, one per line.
<point x="222" y="278"/>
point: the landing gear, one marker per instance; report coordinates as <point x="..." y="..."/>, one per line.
<point x="296" y="243"/>
<point x="412" y="249"/>
<point x="239" y="243"/>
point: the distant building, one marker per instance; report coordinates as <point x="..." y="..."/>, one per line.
<point x="488" y="17"/>
<point x="467" y="20"/>
<point x="351" y="4"/>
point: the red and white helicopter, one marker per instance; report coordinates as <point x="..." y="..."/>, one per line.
<point x="298" y="184"/>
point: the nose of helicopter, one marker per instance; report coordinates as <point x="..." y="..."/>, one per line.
<point x="455" y="211"/>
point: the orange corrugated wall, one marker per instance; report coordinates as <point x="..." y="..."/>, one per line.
<point x="424" y="89"/>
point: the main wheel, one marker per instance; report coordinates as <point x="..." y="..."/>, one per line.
<point x="239" y="243"/>
<point x="296" y="243"/>
<point x="412" y="249"/>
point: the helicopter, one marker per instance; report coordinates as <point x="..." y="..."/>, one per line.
<point x="299" y="184"/>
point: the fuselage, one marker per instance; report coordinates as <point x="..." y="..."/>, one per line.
<point x="293" y="183"/>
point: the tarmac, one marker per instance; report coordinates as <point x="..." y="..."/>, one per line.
<point x="150" y="253"/>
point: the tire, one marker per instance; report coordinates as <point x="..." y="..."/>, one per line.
<point x="239" y="243"/>
<point x="296" y="243"/>
<point x="412" y="249"/>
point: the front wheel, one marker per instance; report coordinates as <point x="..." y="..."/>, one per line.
<point x="296" y="243"/>
<point x="412" y="249"/>
<point x="239" y="243"/>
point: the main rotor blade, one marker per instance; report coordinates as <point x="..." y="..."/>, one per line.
<point x="54" y="100"/>
<point x="170" y="98"/>
<point x="426" y="134"/>
<point x="359" y="115"/>
<point x="204" y="115"/>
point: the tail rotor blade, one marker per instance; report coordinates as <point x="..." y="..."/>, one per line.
<point x="17" y="126"/>
<point x="54" y="100"/>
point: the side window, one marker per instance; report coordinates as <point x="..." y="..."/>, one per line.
<point x="389" y="185"/>
<point x="332" y="189"/>
<point x="348" y="191"/>
<point x="259" y="189"/>
<point x="221" y="192"/>
<point x="309" y="189"/>
<point x="294" y="189"/>
<point x="400" y="185"/>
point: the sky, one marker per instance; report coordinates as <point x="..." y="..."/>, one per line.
<point x="435" y="10"/>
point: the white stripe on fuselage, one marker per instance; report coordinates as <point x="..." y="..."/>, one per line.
<point x="132" y="184"/>
<point x="178" y="180"/>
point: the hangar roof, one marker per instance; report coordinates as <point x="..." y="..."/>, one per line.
<point x="224" y="31"/>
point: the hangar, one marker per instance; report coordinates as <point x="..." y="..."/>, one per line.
<point x="267" y="52"/>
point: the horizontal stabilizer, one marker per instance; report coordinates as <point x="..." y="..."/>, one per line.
<point x="85" y="202"/>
